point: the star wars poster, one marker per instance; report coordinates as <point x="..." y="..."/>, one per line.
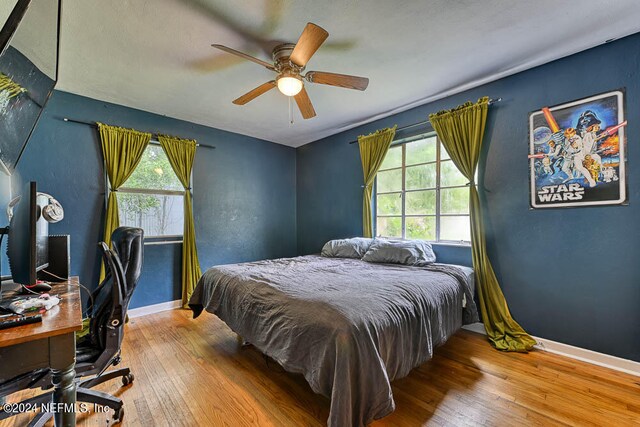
<point x="577" y="153"/>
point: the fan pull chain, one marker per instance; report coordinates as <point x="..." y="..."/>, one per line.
<point x="290" y="113"/>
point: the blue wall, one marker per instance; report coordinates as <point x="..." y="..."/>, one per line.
<point x="569" y="275"/>
<point x="244" y="192"/>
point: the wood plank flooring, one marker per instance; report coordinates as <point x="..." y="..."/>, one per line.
<point x="195" y="373"/>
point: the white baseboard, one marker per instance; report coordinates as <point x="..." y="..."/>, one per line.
<point x="475" y="327"/>
<point x="582" y="354"/>
<point x="155" y="308"/>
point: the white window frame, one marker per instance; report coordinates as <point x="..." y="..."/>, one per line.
<point x="155" y="239"/>
<point x="438" y="214"/>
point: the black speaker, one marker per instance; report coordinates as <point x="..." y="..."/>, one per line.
<point x="59" y="259"/>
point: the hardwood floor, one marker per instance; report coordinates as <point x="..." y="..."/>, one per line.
<point x="194" y="372"/>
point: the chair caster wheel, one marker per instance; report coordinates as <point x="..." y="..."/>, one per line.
<point x="127" y="379"/>
<point x="119" y="415"/>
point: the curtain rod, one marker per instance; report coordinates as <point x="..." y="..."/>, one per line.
<point x="424" y="122"/>
<point x="153" y="135"/>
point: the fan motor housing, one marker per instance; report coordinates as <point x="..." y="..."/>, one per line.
<point x="282" y="51"/>
<point x="281" y="54"/>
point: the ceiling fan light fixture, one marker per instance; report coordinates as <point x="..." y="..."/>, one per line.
<point x="289" y="85"/>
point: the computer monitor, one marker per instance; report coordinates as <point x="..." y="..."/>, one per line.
<point x="27" y="247"/>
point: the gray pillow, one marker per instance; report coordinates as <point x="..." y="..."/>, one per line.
<point x="407" y="252"/>
<point x="346" y="248"/>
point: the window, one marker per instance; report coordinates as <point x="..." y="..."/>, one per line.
<point x="152" y="197"/>
<point x="420" y="194"/>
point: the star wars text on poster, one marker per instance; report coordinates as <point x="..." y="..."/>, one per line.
<point x="561" y="193"/>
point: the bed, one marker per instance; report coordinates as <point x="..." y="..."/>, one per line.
<point x="349" y="326"/>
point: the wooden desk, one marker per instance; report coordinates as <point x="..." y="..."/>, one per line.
<point x="52" y="344"/>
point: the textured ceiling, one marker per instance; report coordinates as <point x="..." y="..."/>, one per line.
<point x="155" y="55"/>
<point x="6" y="6"/>
<point x="36" y="35"/>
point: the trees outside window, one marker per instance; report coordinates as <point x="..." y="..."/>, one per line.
<point x="152" y="197"/>
<point x="420" y="194"/>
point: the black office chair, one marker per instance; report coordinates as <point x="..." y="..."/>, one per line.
<point x="100" y="349"/>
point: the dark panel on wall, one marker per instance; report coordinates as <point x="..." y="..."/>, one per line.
<point x="569" y="275"/>
<point x="244" y="190"/>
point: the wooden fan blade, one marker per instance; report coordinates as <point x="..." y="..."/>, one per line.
<point x="304" y="104"/>
<point x="341" y="80"/>
<point x="244" y="55"/>
<point x="310" y="40"/>
<point x="253" y="94"/>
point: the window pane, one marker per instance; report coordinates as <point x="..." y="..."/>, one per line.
<point x="389" y="181"/>
<point x="443" y="153"/>
<point x="421" y="202"/>
<point x="419" y="177"/>
<point x="454" y="200"/>
<point x="157" y="215"/>
<point x="423" y="227"/>
<point x="393" y="159"/>
<point x="450" y="175"/>
<point x="455" y="228"/>
<point x="389" y="227"/>
<point x="421" y="151"/>
<point x="154" y="172"/>
<point x="389" y="204"/>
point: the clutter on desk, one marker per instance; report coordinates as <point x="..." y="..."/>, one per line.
<point x="23" y="305"/>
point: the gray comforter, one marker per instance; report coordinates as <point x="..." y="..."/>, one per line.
<point x="350" y="327"/>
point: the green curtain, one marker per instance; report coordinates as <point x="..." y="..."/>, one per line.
<point x="12" y="88"/>
<point x="373" y="149"/>
<point x="181" y="153"/>
<point x="461" y="131"/>
<point x="122" y="150"/>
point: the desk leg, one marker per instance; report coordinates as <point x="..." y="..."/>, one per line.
<point x="63" y="361"/>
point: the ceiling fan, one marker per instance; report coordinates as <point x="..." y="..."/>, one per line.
<point x="289" y="61"/>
